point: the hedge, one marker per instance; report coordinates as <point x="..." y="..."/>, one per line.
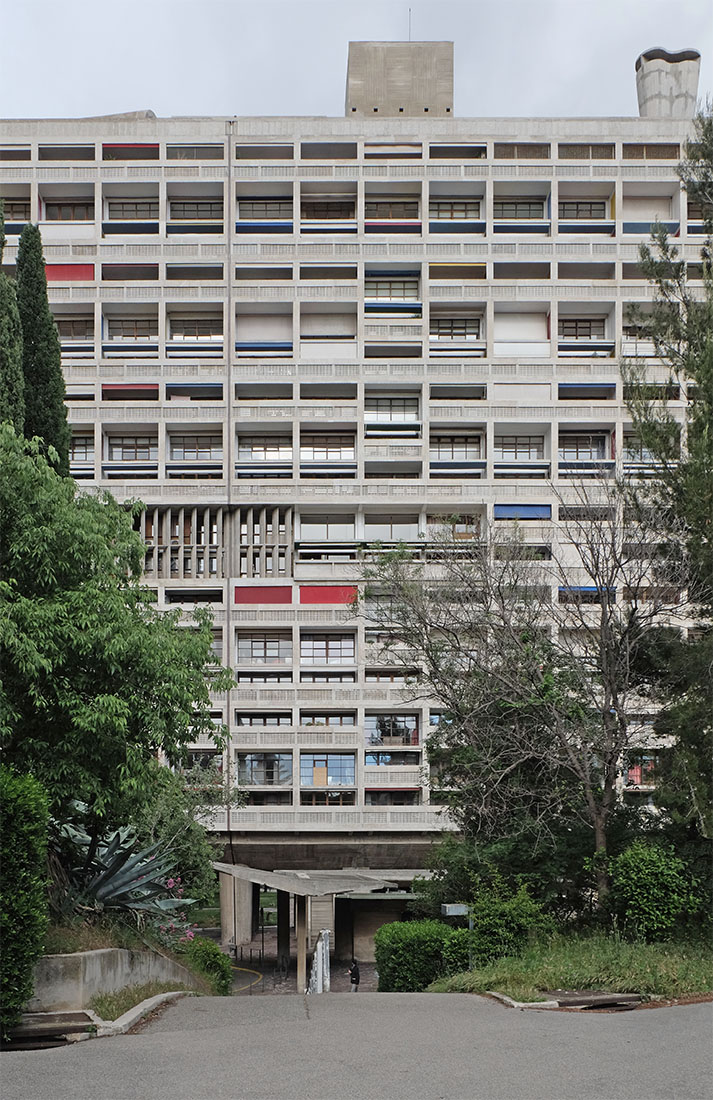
<point x="410" y="955"/>
<point x="23" y="890"/>
<point x="206" y="957"/>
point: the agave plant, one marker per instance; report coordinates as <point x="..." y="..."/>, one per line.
<point x="118" y="876"/>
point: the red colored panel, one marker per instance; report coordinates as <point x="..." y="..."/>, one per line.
<point x="263" y="593"/>
<point x="328" y="593"/>
<point x="72" y="273"/>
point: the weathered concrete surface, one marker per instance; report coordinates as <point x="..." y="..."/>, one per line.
<point x="379" y="1047"/>
<point x="70" y="981"/>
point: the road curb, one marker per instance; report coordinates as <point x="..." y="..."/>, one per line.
<point x="107" y="1028"/>
<point x="510" y="1003"/>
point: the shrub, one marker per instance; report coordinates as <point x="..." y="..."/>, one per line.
<point x="206" y="957"/>
<point x="409" y="955"/>
<point x="23" y="873"/>
<point x="651" y="890"/>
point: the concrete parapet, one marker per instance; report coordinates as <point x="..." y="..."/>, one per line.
<point x="70" y="981"/>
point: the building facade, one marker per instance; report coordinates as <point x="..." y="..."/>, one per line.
<point x="295" y="337"/>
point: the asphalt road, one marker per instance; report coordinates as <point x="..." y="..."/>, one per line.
<point x="379" y="1047"/>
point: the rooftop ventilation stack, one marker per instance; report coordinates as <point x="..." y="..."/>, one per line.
<point x="667" y="83"/>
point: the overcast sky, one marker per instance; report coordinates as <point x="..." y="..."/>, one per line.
<point x="288" y="57"/>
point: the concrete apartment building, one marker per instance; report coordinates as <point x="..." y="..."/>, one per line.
<point x="294" y="337"/>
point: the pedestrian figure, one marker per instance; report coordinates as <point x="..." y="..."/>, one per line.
<point x="354" y="976"/>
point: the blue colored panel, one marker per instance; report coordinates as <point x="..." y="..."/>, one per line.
<point x="522" y="511"/>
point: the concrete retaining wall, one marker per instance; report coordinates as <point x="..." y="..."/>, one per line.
<point x="70" y="981"/>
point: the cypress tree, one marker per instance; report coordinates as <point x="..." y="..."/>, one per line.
<point x="45" y="412"/>
<point x="12" y="384"/>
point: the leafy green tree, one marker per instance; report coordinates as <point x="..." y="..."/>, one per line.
<point x="45" y="412"/>
<point x="96" y="680"/>
<point x="12" y="383"/>
<point x="680" y="325"/>
<point x="23" y="913"/>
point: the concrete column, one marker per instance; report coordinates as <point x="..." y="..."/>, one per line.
<point x="283" y="928"/>
<point x="243" y="895"/>
<point x="301" y="933"/>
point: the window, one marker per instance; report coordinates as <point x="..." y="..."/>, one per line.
<point x="387" y="209"/>
<point x="578" y="151"/>
<point x="391" y="528"/>
<point x="270" y="448"/>
<point x="75" y="328"/>
<point x="391" y="410"/>
<point x="132" y="328"/>
<point x="585" y="594"/>
<point x="196" y="328"/>
<point x="581" y="328"/>
<point x="327" y="448"/>
<point x="585" y="513"/>
<point x="392" y="798"/>
<point x="130" y="151"/>
<point x="331" y="799"/>
<point x="461" y="528"/>
<point x="391" y="288"/>
<point x="328" y="209"/>
<point x="327" y="769"/>
<point x="133" y="448"/>
<point x="582" y="448"/>
<point x="196" y="447"/>
<point x="319" y="718"/>
<point x="15" y="152"/>
<point x="262" y="719"/>
<point x="394" y="729"/>
<point x="203" y="758"/>
<point x="635" y="451"/>
<point x="264" y="769"/>
<point x="328" y="678"/>
<point x="455" y="328"/>
<point x="391" y="759"/>
<point x="327" y="649"/>
<point x="390" y="676"/>
<point x="454" y="209"/>
<point x="264" y="648"/>
<point x="518" y="209"/>
<point x="514" y="448"/>
<point x="327" y="528"/>
<point x="81" y="448"/>
<point x="697" y="211"/>
<point x="264" y="677"/>
<point x="194" y="210"/>
<point x="522" y="511"/>
<point x="585" y="209"/>
<point x="70" y="211"/>
<point x="127" y="210"/>
<point x="455" y="447"/>
<point x="521" y="150"/>
<point x="17" y="210"/>
<point x="195" y="152"/>
<point x="264" y="209"/>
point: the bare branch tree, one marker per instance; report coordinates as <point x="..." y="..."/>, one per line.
<point x="531" y="652"/>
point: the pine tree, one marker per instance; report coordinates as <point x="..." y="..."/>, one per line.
<point x="45" y="412"/>
<point x="12" y="385"/>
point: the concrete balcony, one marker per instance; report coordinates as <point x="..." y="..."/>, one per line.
<point x="324" y="819"/>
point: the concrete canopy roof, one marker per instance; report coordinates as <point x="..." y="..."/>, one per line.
<point x="308" y="883"/>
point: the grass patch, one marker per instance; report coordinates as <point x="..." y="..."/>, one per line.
<point x="112" y="1005"/>
<point x="207" y="917"/>
<point x="598" y="962"/>
<point x="68" y="939"/>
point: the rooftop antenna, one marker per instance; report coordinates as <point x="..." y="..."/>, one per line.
<point x="409" y="24"/>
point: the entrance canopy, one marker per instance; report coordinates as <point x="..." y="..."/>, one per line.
<point x="309" y="884"/>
